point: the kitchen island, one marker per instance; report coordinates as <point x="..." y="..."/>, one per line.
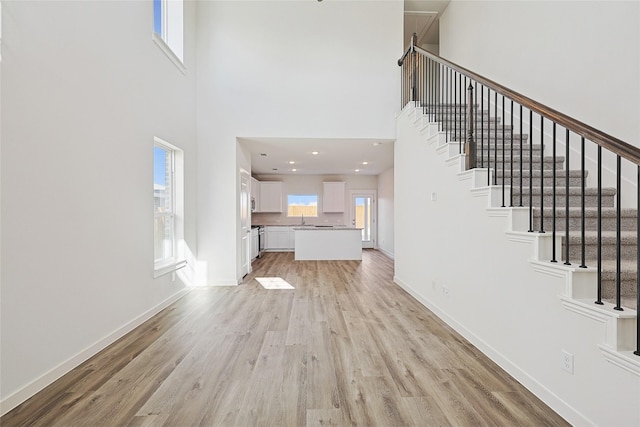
<point x="328" y="243"/>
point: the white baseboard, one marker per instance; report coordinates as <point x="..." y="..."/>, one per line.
<point x="560" y="406"/>
<point x="387" y="253"/>
<point x="43" y="381"/>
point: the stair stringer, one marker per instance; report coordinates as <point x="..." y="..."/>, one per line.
<point x="584" y="407"/>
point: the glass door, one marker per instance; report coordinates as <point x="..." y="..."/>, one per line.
<point x="362" y="213"/>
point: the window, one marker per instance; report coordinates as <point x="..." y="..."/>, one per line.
<point x="168" y="29"/>
<point x="168" y="207"/>
<point x="302" y="204"/>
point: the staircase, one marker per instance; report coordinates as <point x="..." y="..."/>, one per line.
<point x="511" y="247"/>
<point x="515" y="170"/>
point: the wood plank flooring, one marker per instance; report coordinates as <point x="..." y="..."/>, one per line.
<point x="346" y="347"/>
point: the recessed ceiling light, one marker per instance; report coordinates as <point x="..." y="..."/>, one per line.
<point x="293" y="170"/>
<point x="315" y="153"/>
<point x="292" y="162"/>
<point x="365" y="163"/>
<point x="357" y="170"/>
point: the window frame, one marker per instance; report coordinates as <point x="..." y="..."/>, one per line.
<point x="317" y="196"/>
<point x="170" y="40"/>
<point x="162" y="266"/>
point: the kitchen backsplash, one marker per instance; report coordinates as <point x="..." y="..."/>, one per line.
<point x="282" y="218"/>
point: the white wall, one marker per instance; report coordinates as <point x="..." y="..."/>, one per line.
<point x="312" y="184"/>
<point x="385" y="212"/>
<point x="82" y="100"/>
<point x="461" y="265"/>
<point x="285" y="69"/>
<point x="579" y="57"/>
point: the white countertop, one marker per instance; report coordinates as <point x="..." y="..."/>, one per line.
<point x="329" y="228"/>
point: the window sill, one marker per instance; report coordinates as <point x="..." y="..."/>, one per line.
<point x="168" y="267"/>
<point x="164" y="47"/>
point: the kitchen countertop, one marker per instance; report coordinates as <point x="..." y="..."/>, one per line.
<point x="311" y="227"/>
<point x="325" y="228"/>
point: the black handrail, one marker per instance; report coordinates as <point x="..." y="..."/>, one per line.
<point x="611" y="143"/>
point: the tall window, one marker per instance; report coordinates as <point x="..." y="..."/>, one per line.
<point x="302" y="205"/>
<point x="168" y="206"/>
<point x="164" y="215"/>
<point x="168" y="29"/>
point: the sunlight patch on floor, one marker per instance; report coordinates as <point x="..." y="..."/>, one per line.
<point x="274" y="283"/>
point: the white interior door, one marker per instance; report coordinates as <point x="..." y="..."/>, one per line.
<point x="245" y="223"/>
<point x="362" y="214"/>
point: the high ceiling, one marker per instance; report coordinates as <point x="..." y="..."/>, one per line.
<point x="343" y="156"/>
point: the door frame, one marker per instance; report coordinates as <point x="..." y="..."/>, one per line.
<point x="374" y="213"/>
<point x="244" y="262"/>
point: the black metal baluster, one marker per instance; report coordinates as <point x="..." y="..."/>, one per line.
<point x="582" y="208"/>
<point x="521" y="159"/>
<point x="421" y="87"/>
<point x="463" y="127"/>
<point x="455" y="108"/>
<point x="488" y="136"/>
<point x="432" y="96"/>
<point x="475" y="121"/>
<point x="566" y="198"/>
<point x="504" y="169"/>
<point x="447" y="86"/>
<point x="495" y="140"/>
<point x="618" y="252"/>
<point x="637" y="351"/>
<point x="553" y="201"/>
<point x="482" y="129"/>
<point x="599" y="238"/>
<point x="461" y="104"/>
<point x="511" y="157"/>
<point x="531" y="171"/>
<point x="541" y="174"/>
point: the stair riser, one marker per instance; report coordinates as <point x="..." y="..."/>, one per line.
<point x="548" y="181"/>
<point x="548" y="164"/>
<point x="627" y="288"/>
<point x="628" y="252"/>
<point x="591" y="224"/>
<point x="574" y="200"/>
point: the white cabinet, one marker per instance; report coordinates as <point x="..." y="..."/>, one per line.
<point x="279" y="238"/>
<point x="255" y="195"/>
<point x="270" y="196"/>
<point x="333" y="196"/>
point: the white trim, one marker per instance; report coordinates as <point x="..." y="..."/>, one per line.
<point x="63" y="368"/>
<point x="374" y="214"/>
<point x="387" y="253"/>
<point x="162" y="269"/>
<point x="164" y="47"/>
<point x="622" y="359"/>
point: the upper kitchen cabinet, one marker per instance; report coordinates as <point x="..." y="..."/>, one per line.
<point x="333" y="196"/>
<point x="255" y="195"/>
<point x="270" y="196"/>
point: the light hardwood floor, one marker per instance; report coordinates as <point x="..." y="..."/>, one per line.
<point x="346" y="347"/>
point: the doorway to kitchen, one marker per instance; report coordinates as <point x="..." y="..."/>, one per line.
<point x="362" y="214"/>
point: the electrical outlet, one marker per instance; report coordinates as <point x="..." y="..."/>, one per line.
<point x="566" y="361"/>
<point x="445" y="291"/>
<point x="434" y="196"/>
